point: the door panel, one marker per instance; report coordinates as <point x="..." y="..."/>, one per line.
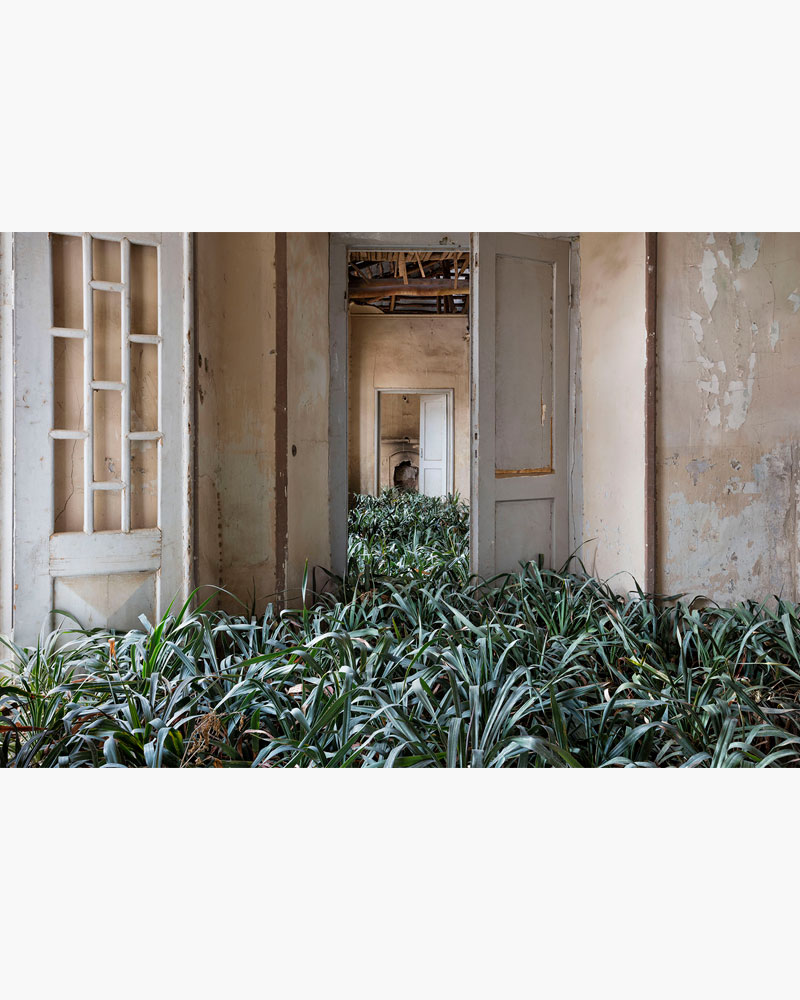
<point x="523" y="364"/>
<point x="101" y="385"/>
<point x="524" y="526"/>
<point x="520" y="342"/>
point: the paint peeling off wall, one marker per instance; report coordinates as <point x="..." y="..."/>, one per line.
<point x="6" y="434"/>
<point x="728" y="358"/>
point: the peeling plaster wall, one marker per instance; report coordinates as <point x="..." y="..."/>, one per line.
<point x="235" y="386"/>
<point x="728" y="417"/>
<point x="6" y="434"/>
<point x="613" y="342"/>
<point x="405" y="352"/>
<point x="307" y="406"/>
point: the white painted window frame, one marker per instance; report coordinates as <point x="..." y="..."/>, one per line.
<point x="179" y="491"/>
<point x="451" y="443"/>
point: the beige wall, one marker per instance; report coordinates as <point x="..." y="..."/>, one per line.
<point x="235" y="382"/>
<point x="728" y="413"/>
<point x="613" y="342"/>
<point x="405" y="352"/>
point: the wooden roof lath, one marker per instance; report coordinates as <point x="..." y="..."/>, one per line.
<point x="410" y="281"/>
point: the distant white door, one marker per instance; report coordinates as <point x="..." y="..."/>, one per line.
<point x="101" y="499"/>
<point x="433" y="445"/>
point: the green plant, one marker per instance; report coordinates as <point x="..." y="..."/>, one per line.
<point x="417" y="666"/>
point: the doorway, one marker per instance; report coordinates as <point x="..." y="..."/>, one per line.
<point x="518" y="391"/>
<point x="408" y="362"/>
<point x="414" y="446"/>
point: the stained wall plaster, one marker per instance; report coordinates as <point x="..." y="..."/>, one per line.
<point x="728" y="421"/>
<point x="6" y="432"/>
<point x="235" y="414"/>
<point x="235" y="405"/>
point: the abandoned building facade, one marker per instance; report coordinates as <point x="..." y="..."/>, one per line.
<point x="181" y="410"/>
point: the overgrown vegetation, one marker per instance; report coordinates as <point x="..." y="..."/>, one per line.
<point x="414" y="667"/>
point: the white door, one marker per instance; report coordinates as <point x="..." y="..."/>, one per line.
<point x="520" y="366"/>
<point x="102" y="457"/>
<point x="434" y="458"/>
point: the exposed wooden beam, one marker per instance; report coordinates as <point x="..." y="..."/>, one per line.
<point x="417" y="287"/>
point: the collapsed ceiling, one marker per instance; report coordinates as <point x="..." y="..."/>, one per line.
<point x="409" y="281"/>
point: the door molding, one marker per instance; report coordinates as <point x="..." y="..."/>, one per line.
<point x="451" y="429"/>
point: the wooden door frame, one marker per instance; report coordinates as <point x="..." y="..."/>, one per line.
<point x="339" y="246"/>
<point x="449" y="394"/>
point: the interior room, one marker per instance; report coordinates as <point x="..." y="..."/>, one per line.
<point x="408" y="372"/>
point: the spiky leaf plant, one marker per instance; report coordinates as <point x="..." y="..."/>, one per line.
<point x="417" y="666"/>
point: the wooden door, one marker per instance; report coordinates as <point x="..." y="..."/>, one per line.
<point x="101" y="505"/>
<point x="520" y="362"/>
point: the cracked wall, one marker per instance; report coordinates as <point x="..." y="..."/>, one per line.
<point x="728" y="363"/>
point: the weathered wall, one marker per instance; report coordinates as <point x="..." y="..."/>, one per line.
<point x="307" y="404"/>
<point x="236" y="392"/>
<point x="405" y="352"/>
<point x="728" y="416"/>
<point x="613" y="341"/>
<point x="235" y="382"/>
<point x="6" y="433"/>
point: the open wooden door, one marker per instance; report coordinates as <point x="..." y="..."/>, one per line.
<point x="102" y="427"/>
<point x="520" y="412"/>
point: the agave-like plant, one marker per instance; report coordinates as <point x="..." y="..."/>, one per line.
<point x="415" y="665"/>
